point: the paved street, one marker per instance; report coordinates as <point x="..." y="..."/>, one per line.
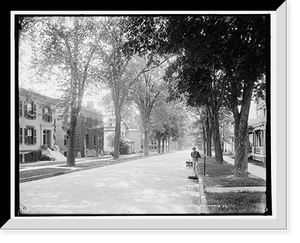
<point x="154" y="185"/>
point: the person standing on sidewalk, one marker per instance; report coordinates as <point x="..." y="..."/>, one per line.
<point x="195" y="156"/>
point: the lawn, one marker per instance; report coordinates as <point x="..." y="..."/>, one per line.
<point x="236" y="202"/>
<point x="38" y="172"/>
<point x="254" y="162"/>
<point x="222" y="175"/>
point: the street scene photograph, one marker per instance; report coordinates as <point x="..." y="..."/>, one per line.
<point x="146" y="115"/>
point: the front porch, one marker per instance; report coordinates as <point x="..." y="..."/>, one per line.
<point x="257" y="140"/>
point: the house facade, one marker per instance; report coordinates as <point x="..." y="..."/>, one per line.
<point x="109" y="131"/>
<point x="131" y="136"/>
<point x="37" y="124"/>
<point x="89" y="134"/>
<point x="257" y="131"/>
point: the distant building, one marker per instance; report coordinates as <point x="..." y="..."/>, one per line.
<point x="131" y="136"/>
<point x="37" y="124"/>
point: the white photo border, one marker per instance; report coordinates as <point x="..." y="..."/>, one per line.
<point x="278" y="220"/>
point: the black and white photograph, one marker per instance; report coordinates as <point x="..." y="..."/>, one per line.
<point x="143" y="115"/>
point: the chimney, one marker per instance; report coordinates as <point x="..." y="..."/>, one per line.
<point x="90" y="104"/>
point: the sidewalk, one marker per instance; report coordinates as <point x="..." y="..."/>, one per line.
<point x="253" y="169"/>
<point x="44" y="169"/>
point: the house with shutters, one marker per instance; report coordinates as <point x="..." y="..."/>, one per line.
<point x="89" y="134"/>
<point x="36" y="124"/>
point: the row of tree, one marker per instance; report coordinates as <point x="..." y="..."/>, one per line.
<point x="220" y="62"/>
<point x="77" y="53"/>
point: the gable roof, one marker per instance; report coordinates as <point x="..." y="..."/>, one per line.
<point x="95" y="114"/>
<point x="37" y="96"/>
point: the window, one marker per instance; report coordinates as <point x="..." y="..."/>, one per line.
<point x="95" y="121"/>
<point x="20" y="108"/>
<point x="90" y="122"/>
<point x="86" y="122"/>
<point x="20" y="135"/>
<point x="29" y="110"/>
<point x="47" y="114"/>
<point x="66" y="138"/>
<point x="87" y="140"/>
<point x="30" y="135"/>
<point x="95" y="140"/>
<point x="47" y="137"/>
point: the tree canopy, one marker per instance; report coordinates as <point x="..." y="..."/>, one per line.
<point x="218" y="62"/>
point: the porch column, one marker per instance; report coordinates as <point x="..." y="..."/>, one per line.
<point x="264" y="141"/>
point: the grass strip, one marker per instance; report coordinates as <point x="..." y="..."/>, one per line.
<point x="222" y="175"/>
<point x="236" y="202"/>
<point x="38" y="172"/>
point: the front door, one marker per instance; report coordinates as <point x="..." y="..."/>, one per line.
<point x="47" y="137"/>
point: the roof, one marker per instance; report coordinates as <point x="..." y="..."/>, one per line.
<point x="93" y="113"/>
<point x="255" y="122"/>
<point x="36" y="96"/>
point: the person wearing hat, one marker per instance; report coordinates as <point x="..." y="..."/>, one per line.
<point x="195" y="156"/>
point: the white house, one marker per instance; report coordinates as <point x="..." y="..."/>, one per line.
<point x="36" y="124"/>
<point x="131" y="136"/>
<point x="257" y="131"/>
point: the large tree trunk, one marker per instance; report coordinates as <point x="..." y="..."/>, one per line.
<point x="71" y="145"/>
<point x="217" y="140"/>
<point x="209" y="135"/>
<point x="117" y="132"/>
<point x="241" y="137"/>
<point x="146" y="127"/>
<point x="241" y="151"/>
<point x="146" y="142"/>
<point x="158" y="143"/>
<point x="169" y="144"/>
<point x="163" y="145"/>
<point x="204" y="139"/>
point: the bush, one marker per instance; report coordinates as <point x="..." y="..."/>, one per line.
<point x="45" y="158"/>
<point x="124" y="148"/>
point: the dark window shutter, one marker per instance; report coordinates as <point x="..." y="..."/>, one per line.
<point x="25" y="109"/>
<point x="50" y="114"/>
<point x="43" y="111"/>
<point x="20" y="135"/>
<point x="20" y="108"/>
<point x="34" y="136"/>
<point x="34" y="110"/>
<point x="25" y="136"/>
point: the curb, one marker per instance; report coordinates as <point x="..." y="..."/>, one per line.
<point x="203" y="202"/>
